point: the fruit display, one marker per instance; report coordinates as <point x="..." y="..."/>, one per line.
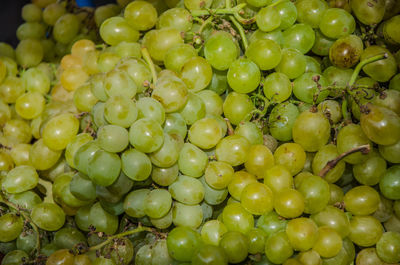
<point x="166" y="132"/>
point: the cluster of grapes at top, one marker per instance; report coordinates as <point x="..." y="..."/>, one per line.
<point x="202" y="132"/>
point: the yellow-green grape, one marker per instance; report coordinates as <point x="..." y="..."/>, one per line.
<point x="205" y="133"/>
<point x="30" y="105"/>
<point x="159" y="41"/>
<point x="20" y="154"/>
<point x="17" y="131"/>
<point x="74" y="145"/>
<point x="257" y="198"/>
<point x="48" y="216"/>
<point x="172" y="93"/>
<point x="322" y="157"/>
<point x="237" y="107"/>
<point x="196" y="73"/>
<point x="289" y="203"/>
<point x="197" y="4"/>
<point x="157" y="203"/>
<point x="136" y="165"/>
<point x="278" y="178"/>
<point x="278" y="247"/>
<point x="134" y="203"/>
<point x="29" y="52"/>
<point x="333" y="218"/>
<point x="218" y="174"/>
<point x="60" y="130"/>
<point x="212" y="232"/>
<point x="259" y="160"/>
<point x="11" y="89"/>
<point x="365" y="231"/>
<point x="141" y="15"/>
<point x="187" y="190"/>
<point x="232" y="149"/>
<point x="10" y="227"/>
<point x="36" y="80"/>
<point x="192" y="160"/>
<point x="236" y="218"/>
<point x="302" y="233"/>
<point x="239" y="181"/>
<point x="74" y="77"/>
<point x="187" y="215"/>
<point x="102" y="220"/>
<point x="329" y="243"/>
<point x="349" y="137"/>
<point x="194" y="109"/>
<point x="42" y="157"/>
<point x="84" y="99"/>
<point x="291" y="156"/>
<point x="20" y="179"/>
<point x="361" y="200"/>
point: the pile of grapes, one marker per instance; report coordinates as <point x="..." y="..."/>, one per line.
<point x="202" y="132"/>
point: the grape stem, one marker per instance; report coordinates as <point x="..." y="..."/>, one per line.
<point x="147" y="58"/>
<point x="220" y="11"/>
<point x="26" y="216"/>
<point x="345" y="112"/>
<point x="120" y="235"/>
<point x="364" y="149"/>
<point x="361" y="64"/>
<point x="241" y="32"/>
<point x="231" y="131"/>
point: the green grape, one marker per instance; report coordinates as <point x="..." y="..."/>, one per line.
<point x="68" y="237"/>
<point x="62" y="193"/>
<point x="104" y="167"/>
<point x="219" y="83"/>
<point x="7" y="51"/>
<point x="26" y="241"/>
<point x="126" y="49"/>
<point x="281" y="120"/>
<point x="310" y="87"/>
<point x="302" y="233"/>
<point x="346" y="51"/>
<point x="336" y="23"/>
<point x="196" y="73"/>
<point x="192" y="161"/>
<point x="311" y="130"/>
<point x="361" y="200"/>
<point x="113" y="138"/>
<point x="20" y="179"/>
<point x="82" y="187"/>
<point x="349" y="137"/>
<point x="312" y="65"/>
<point x="277" y="87"/>
<point x="289" y="203"/>
<point x="239" y="181"/>
<point x="83" y="154"/>
<point x="322" y="157"/>
<point x="103" y="261"/>
<point x="394" y="83"/>
<point x="243" y="76"/>
<point x="381" y="70"/>
<point x="53" y="12"/>
<point x="331" y="109"/>
<point x="172" y="93"/>
<point x="271" y="223"/>
<point x="151" y="108"/>
<point x="146" y="136"/>
<point x="212" y="102"/>
<point x="213" y="196"/>
<point x="31" y="30"/>
<point x="388" y="247"/>
<point x="380" y="125"/>
<point x="115" y="30"/>
<point x="10" y="227"/>
<point x="389" y="184"/>
<point x="194" y="109"/>
<point x="136" y="165"/>
<point x="102" y="220"/>
<point x="178" y="55"/>
<point x="278" y="178"/>
<point x="221" y="50"/>
<point x="187" y="215"/>
<point x="17" y="131"/>
<point x="256" y="239"/>
<point x="119" y="83"/>
<point x="316" y="193"/>
<point x="390" y="152"/>
<point x="36" y="80"/>
<point x="236" y="218"/>
<point x="66" y="28"/>
<point x="105" y="61"/>
<point x="368" y="256"/>
<point x="26" y="199"/>
<point x="266" y="53"/>
<point x="235" y="246"/>
<point x="141" y="15"/>
<point x="371" y="170"/>
<point x="288" y="13"/>
<point x="334" y="218"/>
<point x="329" y="242"/>
<point x="119" y="110"/>
<point x="187" y="190"/>
<point x="250" y="131"/>
<point x="389" y="99"/>
<point x="178" y="18"/>
<point x="310" y="12"/>
<point x="182" y="243"/>
<point x="97" y="86"/>
<point x="205" y="133"/>
<point x="209" y="254"/>
<point x="212" y="232"/>
<point x="292" y="63"/>
<point x="257" y="198"/>
<point x="158" y="42"/>
<point x="11" y="89"/>
<point x="268" y="18"/>
<point x="175" y="124"/>
<point x="278" y="248"/>
<point x="232" y="150"/>
<point x="237" y="107"/>
<point x="106" y="11"/>
<point x="134" y="203"/>
<point x="300" y="37"/>
<point x="84" y="99"/>
<point x="157" y="203"/>
<point x="42" y="157"/>
<point x="14" y="257"/>
<point x="165" y="176"/>
<point x="365" y="231"/>
<point x="291" y="156"/>
<point x="31" y="13"/>
<point x="48" y="216"/>
<point x="390" y="30"/>
<point x="366" y="13"/>
<point x="60" y="130"/>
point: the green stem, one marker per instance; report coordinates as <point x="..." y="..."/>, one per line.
<point x="362" y="64"/>
<point x="228" y="4"/>
<point x="345" y="112"/>
<point x="147" y="58"/>
<point x="120" y="235"/>
<point x="241" y="32"/>
<point x="204" y="24"/>
<point x="26" y="216"/>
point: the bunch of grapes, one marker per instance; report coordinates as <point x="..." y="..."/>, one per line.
<point x="202" y="132"/>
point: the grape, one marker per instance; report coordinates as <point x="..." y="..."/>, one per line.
<point x="346" y="51"/>
<point x="102" y="220"/>
<point x="268" y="18"/>
<point x="365" y="231"/>
<point x="10" y="226"/>
<point x="291" y="156"/>
<point x="289" y="203"/>
<point x="277" y="87"/>
<point x="157" y="203"/>
<point x="182" y="243"/>
<point x="121" y="111"/>
<point x="159" y="41"/>
<point x="275" y="35"/>
<point x="243" y="76"/>
<point x="115" y="30"/>
<point x="113" y="138"/>
<point x="236" y="107"/>
<point x="52" y="13"/>
<point x="205" y="133"/>
<point x="187" y="215"/>
<point x="236" y="218"/>
<point x="177" y="56"/>
<point x="310" y="12"/>
<point x="232" y="150"/>
<point x="361" y="200"/>
<point x="315" y="191"/>
<point x="266" y="53"/>
<point x="31" y="30"/>
<point x="334" y="218"/>
<point x="194" y="109"/>
<point x="235" y="246"/>
<point x="141" y="15"/>
<point x="221" y="50"/>
<point x="302" y="233"/>
<point x="196" y="73"/>
<point x="257" y="198"/>
<point x="48" y="216"/>
<point x="389" y="152"/>
<point x="366" y="13"/>
<point x="42" y="157"/>
<point x="388" y="246"/>
<point x="390" y="30"/>
<point x="20" y="179"/>
<point x="172" y="93"/>
<point x="336" y="23"/>
<point x="328" y="243"/>
<point x="178" y="18"/>
<point x="66" y="28"/>
<point x="292" y="63"/>
<point x="300" y="37"/>
<point x="322" y="157"/>
<point x="349" y="137"/>
<point x="315" y="126"/>
<point x="389" y="184"/>
<point x="371" y="171"/>
<point x="381" y="70"/>
<point x="59" y="131"/>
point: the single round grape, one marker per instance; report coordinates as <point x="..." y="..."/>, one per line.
<point x="31" y="30"/>
<point x="172" y="93"/>
<point x="311" y="130"/>
<point x="277" y="87"/>
<point x="265" y="53"/>
<point x="361" y="200"/>
<point x="390" y="152"/>
<point x="106" y="11"/>
<point x="366" y="13"/>
<point x="192" y="160"/>
<point x="66" y="28"/>
<point x="300" y="37"/>
<point x="289" y="203"/>
<point x="268" y="18"/>
<point x="371" y="171"/>
<point x="42" y="157"/>
<point x="159" y="41"/>
<point x="349" y="137"/>
<point x="194" y="109"/>
<point x="302" y="233"/>
<point x="10" y="227"/>
<point x="243" y="76"/>
<point x="102" y="220"/>
<point x="291" y="156"/>
<point x="257" y="198"/>
<point x="29" y="53"/>
<point x="177" y="17"/>
<point x="329" y="242"/>
<point x="205" y="133"/>
<point x="104" y="167"/>
<point x="60" y="130"/>
<point x="141" y="15"/>
<point x="187" y="215"/>
<point x="146" y="136"/>
<point x="237" y="107"/>
<point x="388" y="247"/>
<point x="53" y="12"/>
<point x="48" y="216"/>
<point x="157" y="203"/>
<point x="220" y="50"/>
<point x="334" y="218"/>
<point x="20" y="179"/>
<point x="11" y="89"/>
<point x="235" y="246"/>
<point x="310" y="12"/>
<point x="182" y="243"/>
<point x="390" y="183"/>
<point x="275" y="35"/>
<point x="187" y="190"/>
<point x="177" y="56"/>
<point x="196" y="73"/>
<point x="381" y="70"/>
<point x="365" y="231"/>
<point x="278" y="248"/>
<point x="292" y="63"/>
<point x="281" y="120"/>
<point x="336" y="23"/>
<point x="209" y="254"/>
<point x="236" y="218"/>
<point x="315" y="191"/>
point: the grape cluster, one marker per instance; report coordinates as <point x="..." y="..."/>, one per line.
<point x="202" y="132"/>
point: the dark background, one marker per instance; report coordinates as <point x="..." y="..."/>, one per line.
<point x="10" y="18"/>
